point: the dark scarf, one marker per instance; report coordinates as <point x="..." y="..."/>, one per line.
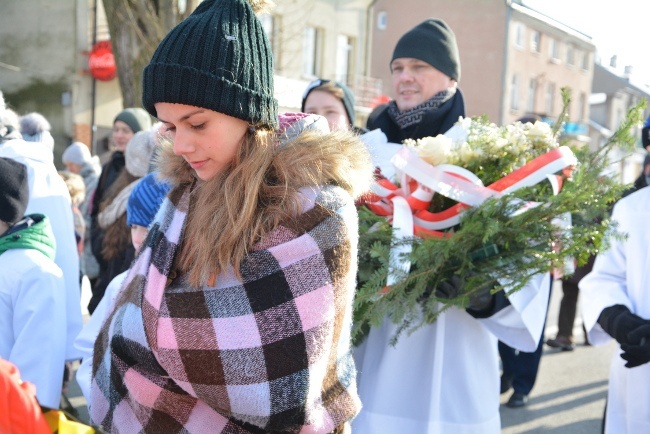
<point x="414" y="115"/>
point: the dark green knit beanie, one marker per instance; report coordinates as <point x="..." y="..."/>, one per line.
<point x="136" y="118"/>
<point x="348" y="96"/>
<point x="434" y="42"/>
<point x="218" y="58"/>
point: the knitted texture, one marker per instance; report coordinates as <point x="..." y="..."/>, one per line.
<point x="77" y="153"/>
<point x="138" y="153"/>
<point x="14" y="190"/>
<point x="32" y="125"/>
<point x="136" y="118"/>
<point x="218" y="58"/>
<point x="434" y="42"/>
<point x="269" y="352"/>
<point x="145" y="200"/>
<point x="35" y="128"/>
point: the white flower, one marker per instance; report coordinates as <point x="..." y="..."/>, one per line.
<point x="542" y="132"/>
<point x="434" y="150"/>
<point x="466" y="154"/>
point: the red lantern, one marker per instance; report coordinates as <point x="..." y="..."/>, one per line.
<point x="101" y="61"/>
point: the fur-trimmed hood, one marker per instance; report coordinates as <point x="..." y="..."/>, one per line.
<point x="304" y="145"/>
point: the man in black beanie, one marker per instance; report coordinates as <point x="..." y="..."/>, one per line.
<point x="425" y="70"/>
<point x="443" y="378"/>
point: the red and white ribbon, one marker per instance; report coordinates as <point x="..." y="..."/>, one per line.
<point x="407" y="206"/>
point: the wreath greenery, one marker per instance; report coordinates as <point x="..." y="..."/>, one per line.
<point x="492" y="241"/>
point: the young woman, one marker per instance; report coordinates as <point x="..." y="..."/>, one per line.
<point x="334" y="101"/>
<point x="236" y="314"/>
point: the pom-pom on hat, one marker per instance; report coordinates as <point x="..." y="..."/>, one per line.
<point x="145" y="199"/>
<point x="35" y="128"/>
<point x="434" y="42"/>
<point x="136" y="118"/>
<point x="347" y="100"/>
<point x="139" y="151"/>
<point x="14" y="190"/>
<point x="218" y="58"/>
<point x="77" y="153"/>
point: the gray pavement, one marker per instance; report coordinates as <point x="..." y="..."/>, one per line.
<point x="571" y="388"/>
<point x="568" y="397"/>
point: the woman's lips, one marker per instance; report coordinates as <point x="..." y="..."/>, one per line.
<point x="197" y="164"/>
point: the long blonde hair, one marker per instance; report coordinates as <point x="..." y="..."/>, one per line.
<point x="257" y="191"/>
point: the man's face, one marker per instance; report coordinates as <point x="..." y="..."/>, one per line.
<point x="416" y="81"/>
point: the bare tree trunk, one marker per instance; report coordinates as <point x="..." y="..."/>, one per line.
<point x="136" y="28"/>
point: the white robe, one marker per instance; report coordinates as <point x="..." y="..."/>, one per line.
<point x="444" y="378"/>
<point x="32" y="330"/>
<point x="49" y="195"/>
<point x="85" y="342"/>
<point x="621" y="275"/>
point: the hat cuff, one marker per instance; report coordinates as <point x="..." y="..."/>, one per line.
<point x="186" y="85"/>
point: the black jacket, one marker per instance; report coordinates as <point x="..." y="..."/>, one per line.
<point x="433" y="123"/>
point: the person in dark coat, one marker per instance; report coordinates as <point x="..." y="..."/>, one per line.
<point x="425" y="75"/>
<point x="126" y="124"/>
<point x="644" y="177"/>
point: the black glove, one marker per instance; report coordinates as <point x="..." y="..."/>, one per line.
<point x="449" y="289"/>
<point x="452" y="288"/>
<point x="618" y="321"/>
<point x="638" y="354"/>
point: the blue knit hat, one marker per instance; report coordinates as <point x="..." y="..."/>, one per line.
<point x="145" y="199"/>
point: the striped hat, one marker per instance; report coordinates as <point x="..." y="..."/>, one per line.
<point x="145" y="199"/>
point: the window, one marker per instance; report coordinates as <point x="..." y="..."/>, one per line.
<point x="570" y="55"/>
<point x="311" y="52"/>
<point x="514" y="93"/>
<point x="586" y="61"/>
<point x="519" y="35"/>
<point x="271" y="25"/>
<point x="553" y="50"/>
<point x="382" y="19"/>
<point x="532" y="95"/>
<point x="550" y="98"/>
<point x="344" y="45"/>
<point x="582" y="104"/>
<point x="535" y="39"/>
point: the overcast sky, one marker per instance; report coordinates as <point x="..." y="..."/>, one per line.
<point x="620" y="27"/>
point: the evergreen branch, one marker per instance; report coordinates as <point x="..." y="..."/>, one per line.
<point x="491" y="243"/>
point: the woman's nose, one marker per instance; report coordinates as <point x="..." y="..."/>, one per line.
<point x="182" y="145"/>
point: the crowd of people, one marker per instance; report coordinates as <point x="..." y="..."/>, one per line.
<point x="220" y="242"/>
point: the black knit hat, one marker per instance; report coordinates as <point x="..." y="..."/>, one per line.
<point x="434" y="42"/>
<point x="218" y="58"/>
<point x="348" y="97"/>
<point x="14" y="190"/>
